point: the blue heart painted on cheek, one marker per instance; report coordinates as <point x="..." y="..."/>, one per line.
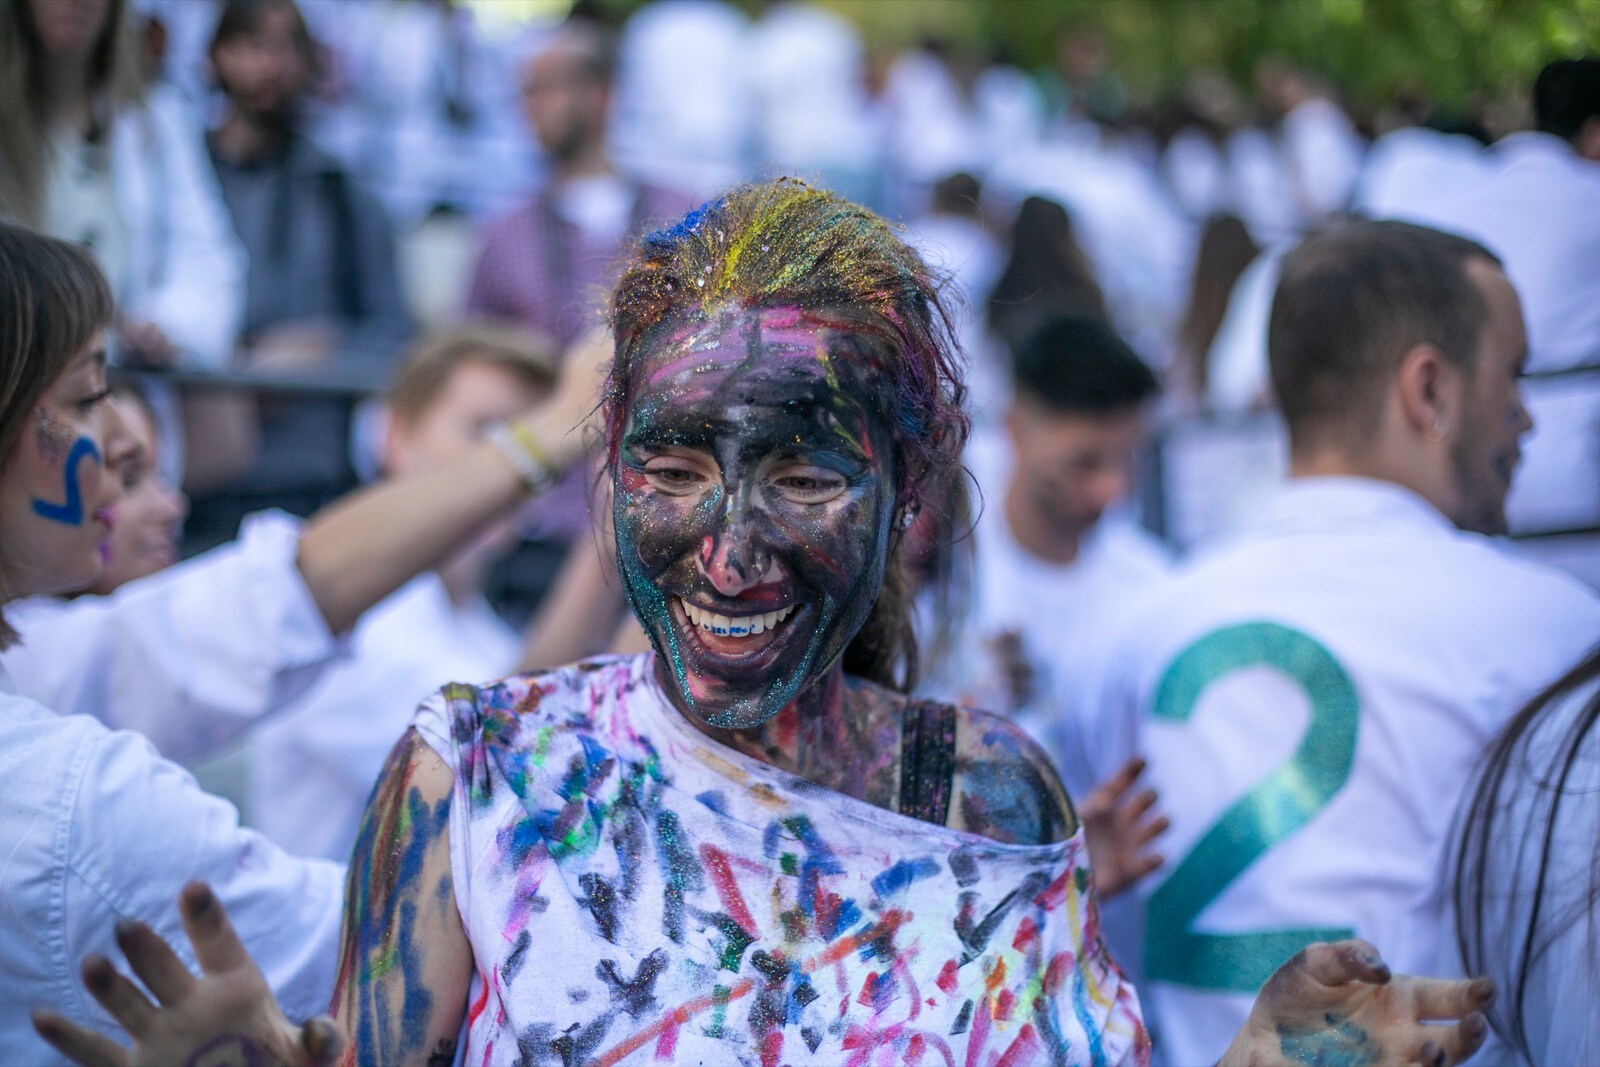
<point x="70" y="511"/>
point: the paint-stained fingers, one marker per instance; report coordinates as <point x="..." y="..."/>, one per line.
<point x="1335" y="963"/>
<point x="1444" y="1046"/>
<point x="206" y="922"/>
<point x="322" y="1041"/>
<point x="76" y="1043"/>
<point x="118" y="996"/>
<point x="1442" y="998"/>
<point x="154" y="962"/>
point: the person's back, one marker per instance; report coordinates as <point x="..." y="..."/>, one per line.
<point x="1311" y="694"/>
<point x="1539" y="210"/>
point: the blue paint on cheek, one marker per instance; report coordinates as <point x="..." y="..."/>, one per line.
<point x="70" y="511"/>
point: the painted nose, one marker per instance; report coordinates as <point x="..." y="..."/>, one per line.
<point x="732" y="560"/>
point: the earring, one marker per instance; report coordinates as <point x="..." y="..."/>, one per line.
<point x="1441" y="427"/>
<point x="907" y="518"/>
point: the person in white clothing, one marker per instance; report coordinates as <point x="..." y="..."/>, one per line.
<point x="1048" y="562"/>
<point x="98" y="827"/>
<point x="88" y="154"/>
<point x="197" y="655"/>
<point x="314" y="766"/>
<point x="1311" y="693"/>
<point x="1539" y="210"/>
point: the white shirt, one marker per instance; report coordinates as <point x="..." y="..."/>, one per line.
<point x="184" y="269"/>
<point x="97" y="827"/>
<point x="190" y="657"/>
<point x="1411" y="170"/>
<point x="314" y="767"/>
<point x="1316" y="807"/>
<point x="1021" y="644"/>
<point x="1323" y="151"/>
<point x="1539" y="211"/>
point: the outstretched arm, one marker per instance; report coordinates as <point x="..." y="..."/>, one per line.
<point x="359" y="550"/>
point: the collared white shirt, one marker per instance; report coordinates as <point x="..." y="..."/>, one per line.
<point x="191" y="657"/>
<point x="1409" y="171"/>
<point x="1310" y="696"/>
<point x="314" y="767"/>
<point x="1539" y="211"/>
<point x="96" y="827"/>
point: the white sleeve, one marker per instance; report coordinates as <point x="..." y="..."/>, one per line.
<point x="192" y="657"/>
<point x="141" y="828"/>
<point x="198" y="299"/>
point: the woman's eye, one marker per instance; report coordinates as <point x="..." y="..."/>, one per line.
<point x="89" y="402"/>
<point x="810" y="488"/>
<point x="672" y="479"/>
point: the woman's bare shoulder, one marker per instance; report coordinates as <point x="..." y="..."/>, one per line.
<point x="1006" y="787"/>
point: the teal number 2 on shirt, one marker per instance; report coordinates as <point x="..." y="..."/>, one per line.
<point x="1278" y="806"/>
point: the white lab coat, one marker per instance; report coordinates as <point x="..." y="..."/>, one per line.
<point x="185" y="270"/>
<point x="1333" y="794"/>
<point x="314" y="766"/>
<point x="1539" y="211"/>
<point x="191" y="657"/>
<point x="97" y="827"/>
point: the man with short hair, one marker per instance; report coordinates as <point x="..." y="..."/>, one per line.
<point x="1538" y="208"/>
<point x="1311" y="693"/>
<point x="548" y="264"/>
<point x="1048" y="561"/>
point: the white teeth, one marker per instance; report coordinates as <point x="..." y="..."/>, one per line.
<point x="740" y="626"/>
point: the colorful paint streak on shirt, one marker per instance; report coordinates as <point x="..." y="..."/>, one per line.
<point x="636" y="893"/>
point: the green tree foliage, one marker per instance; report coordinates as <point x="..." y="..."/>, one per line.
<point x="1453" y="50"/>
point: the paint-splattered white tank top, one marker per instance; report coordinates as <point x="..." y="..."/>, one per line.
<point x="636" y="893"/>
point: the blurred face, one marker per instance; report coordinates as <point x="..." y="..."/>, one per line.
<point x="150" y="512"/>
<point x="563" y="102"/>
<point x="753" y="500"/>
<point x="264" y="71"/>
<point x="59" y="483"/>
<point x="475" y="397"/>
<point x="1488" y="445"/>
<point x="69" y="29"/>
<point x="1071" y="467"/>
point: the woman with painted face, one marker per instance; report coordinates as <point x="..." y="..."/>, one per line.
<point x="748" y="845"/>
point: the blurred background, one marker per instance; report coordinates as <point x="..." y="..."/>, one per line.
<point x="1143" y="161"/>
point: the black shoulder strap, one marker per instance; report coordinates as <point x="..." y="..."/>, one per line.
<point x="927" y="760"/>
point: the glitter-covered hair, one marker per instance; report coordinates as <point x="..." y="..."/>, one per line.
<point x="785" y="243"/>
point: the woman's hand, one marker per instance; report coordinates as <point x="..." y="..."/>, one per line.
<point x="226" y="1016"/>
<point x="1337" y="1003"/>
<point x="1118" y="831"/>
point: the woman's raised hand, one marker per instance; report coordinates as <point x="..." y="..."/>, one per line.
<point x="226" y="1016"/>
<point x="1338" y="1003"/>
<point x="1119" y="830"/>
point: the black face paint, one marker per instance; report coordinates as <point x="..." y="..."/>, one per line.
<point x="754" y="492"/>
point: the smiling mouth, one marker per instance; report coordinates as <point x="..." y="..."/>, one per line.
<point x="738" y="626"/>
<point x="734" y="642"/>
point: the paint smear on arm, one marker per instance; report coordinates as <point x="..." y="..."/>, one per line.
<point x="404" y="963"/>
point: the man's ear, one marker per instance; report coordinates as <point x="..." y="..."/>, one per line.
<point x="1429" y="391"/>
<point x="1587" y="140"/>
